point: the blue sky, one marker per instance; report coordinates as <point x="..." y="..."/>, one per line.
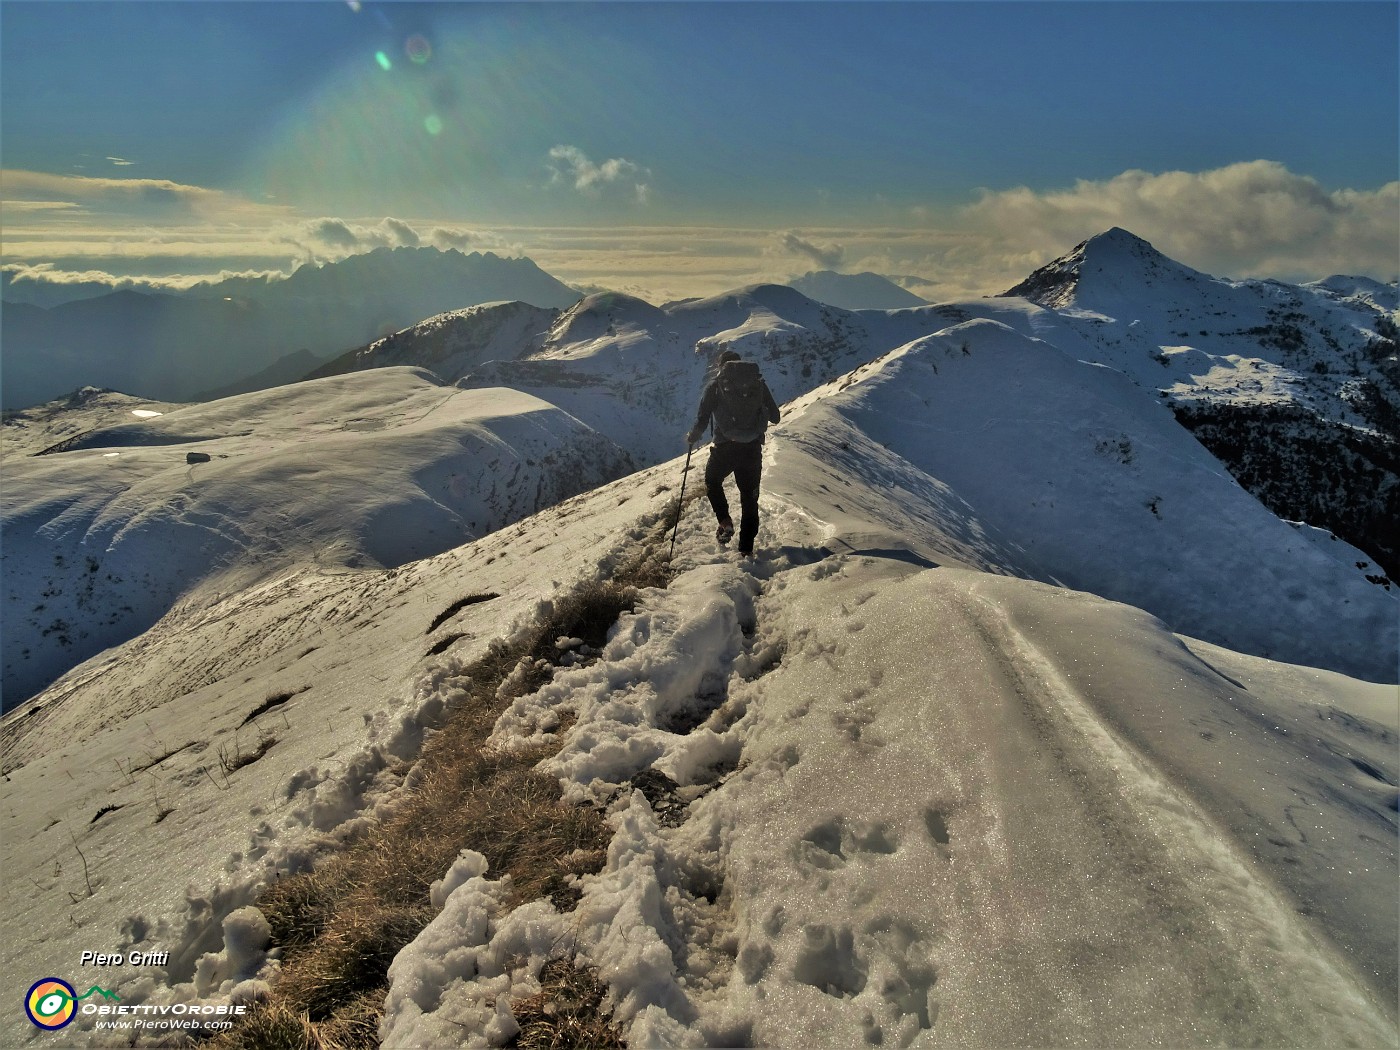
<point x="827" y="119"/>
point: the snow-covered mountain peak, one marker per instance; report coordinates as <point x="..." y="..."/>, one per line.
<point x="856" y="291"/>
<point x="783" y="300"/>
<point x="1117" y="247"/>
<point x="452" y="343"/>
<point x="1103" y="271"/>
<point x="990" y="569"/>
<point x="1361" y="291"/>
<point x="739" y="306"/>
<point x="755" y="312"/>
<point x="602" y="314"/>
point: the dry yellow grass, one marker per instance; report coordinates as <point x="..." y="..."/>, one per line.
<point x="340" y="925"/>
<point x="567" y="1012"/>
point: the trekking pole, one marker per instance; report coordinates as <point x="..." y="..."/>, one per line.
<point x="680" y="503"/>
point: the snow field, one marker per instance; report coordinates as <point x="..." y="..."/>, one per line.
<point x="877" y="787"/>
<point x="367" y="682"/>
<point x="363" y="470"/>
<point x="920" y="830"/>
<point x="993" y="451"/>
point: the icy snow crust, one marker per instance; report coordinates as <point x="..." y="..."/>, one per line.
<point x="927" y="802"/>
<point x="929" y="789"/>
<point x="919" y="818"/>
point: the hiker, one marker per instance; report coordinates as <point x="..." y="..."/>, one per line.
<point x="739" y="405"/>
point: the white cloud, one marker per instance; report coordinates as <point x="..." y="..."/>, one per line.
<point x="331" y="233"/>
<point x="332" y="238"/>
<point x="36" y="207"/>
<point x="458" y="239"/>
<point x="1255" y="219"/>
<point x="47" y="273"/>
<point x="77" y="246"/>
<point x="571" y="165"/>
<point x="406" y="234"/>
<point x="1244" y="220"/>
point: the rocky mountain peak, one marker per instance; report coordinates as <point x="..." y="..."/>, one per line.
<point x="1107" y="260"/>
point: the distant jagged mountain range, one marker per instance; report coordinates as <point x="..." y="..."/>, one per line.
<point x="245" y="334"/>
<point x="212" y="339"/>
<point x="992" y="566"/>
<point x="1295" y="388"/>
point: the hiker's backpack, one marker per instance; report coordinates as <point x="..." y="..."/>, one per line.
<point x="740" y="413"/>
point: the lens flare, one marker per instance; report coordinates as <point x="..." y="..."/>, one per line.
<point x="418" y="49"/>
<point x="363" y="135"/>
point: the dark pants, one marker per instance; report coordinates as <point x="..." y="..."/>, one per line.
<point x="743" y="459"/>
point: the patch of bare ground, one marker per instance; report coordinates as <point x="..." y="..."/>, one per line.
<point x="567" y="1012"/>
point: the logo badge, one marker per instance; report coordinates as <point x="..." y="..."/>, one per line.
<point x="51" y="1003"/>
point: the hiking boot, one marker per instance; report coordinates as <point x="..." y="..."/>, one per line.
<point x="725" y="532"/>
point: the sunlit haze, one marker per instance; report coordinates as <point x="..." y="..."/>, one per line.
<point x="672" y="149"/>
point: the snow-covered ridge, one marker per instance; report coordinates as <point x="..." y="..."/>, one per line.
<point x="995" y="570"/>
<point x="818" y="771"/>
<point x="176" y="347"/>
<point x="1003" y="455"/>
<point x="367" y="470"/>
<point x="1287" y="384"/>
<point x="452" y="343"/>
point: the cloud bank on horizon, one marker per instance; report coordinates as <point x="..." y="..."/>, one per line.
<point x="684" y="149"/>
<point x="1252" y="219"/>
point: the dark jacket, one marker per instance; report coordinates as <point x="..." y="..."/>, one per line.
<point x="708" y="402"/>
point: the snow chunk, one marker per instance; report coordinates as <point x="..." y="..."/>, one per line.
<point x="453" y="984"/>
<point x="244" y="956"/>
